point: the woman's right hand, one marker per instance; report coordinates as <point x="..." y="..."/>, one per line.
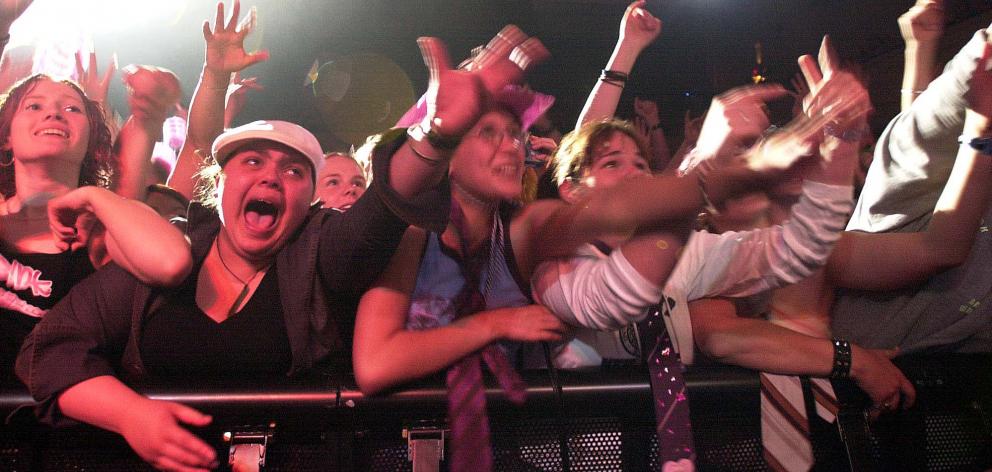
<point x="455" y="97"/>
<point x="155" y="431"/>
<point x="531" y="323"/>
<point x="226" y="43"/>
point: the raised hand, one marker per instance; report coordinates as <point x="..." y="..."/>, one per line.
<point x="455" y="97"/>
<point x="156" y="433"/>
<point x="647" y="111"/>
<point x="980" y="86"/>
<point x="237" y="96"/>
<point x="10" y="11"/>
<point x="226" y="41"/>
<point x="95" y="85"/>
<point x="735" y="120"/>
<point x="923" y="22"/>
<point x="836" y="97"/>
<point x="639" y="28"/>
<point x="153" y="93"/>
<point x="799" y="93"/>
<point x="692" y="126"/>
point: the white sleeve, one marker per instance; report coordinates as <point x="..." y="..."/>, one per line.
<point x="743" y="263"/>
<point x="594" y="291"/>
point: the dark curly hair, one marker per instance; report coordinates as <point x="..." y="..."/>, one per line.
<point x="574" y="154"/>
<point x="99" y="162"/>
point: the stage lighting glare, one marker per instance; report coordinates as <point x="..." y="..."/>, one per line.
<point x="75" y="18"/>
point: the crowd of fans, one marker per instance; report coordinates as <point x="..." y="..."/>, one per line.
<point x="435" y="247"/>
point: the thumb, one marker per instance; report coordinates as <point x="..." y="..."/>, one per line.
<point x="435" y="56"/>
<point x="256" y="57"/>
<point x="189" y="415"/>
<point x="889" y="353"/>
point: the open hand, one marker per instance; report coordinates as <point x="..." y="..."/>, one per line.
<point x="157" y="435"/>
<point x="95" y="85"/>
<point x="734" y="121"/>
<point x="454" y="97"/>
<point x="226" y="42"/>
<point x="237" y="96"/>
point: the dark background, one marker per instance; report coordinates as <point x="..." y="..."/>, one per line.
<point x="706" y="46"/>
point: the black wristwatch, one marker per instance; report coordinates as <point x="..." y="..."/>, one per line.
<point x="981" y="144"/>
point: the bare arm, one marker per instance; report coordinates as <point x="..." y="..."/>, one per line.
<point x="761" y="345"/>
<point x="152" y="93"/>
<point x="383" y="345"/>
<point x="877" y="261"/>
<point x="921" y="28"/>
<point x="138" y="239"/>
<point x="638" y="29"/>
<point x="225" y="55"/>
<point x="152" y="428"/>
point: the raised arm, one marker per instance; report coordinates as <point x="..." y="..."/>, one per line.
<point x="454" y="101"/>
<point x="638" y="29"/>
<point x="921" y="27"/>
<point x="138" y="239"/>
<point x="877" y="261"/>
<point x="10" y="11"/>
<point x="152" y="93"/>
<point x="648" y="123"/>
<point x="383" y="344"/>
<point x="225" y="55"/>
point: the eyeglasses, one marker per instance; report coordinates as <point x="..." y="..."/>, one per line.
<point x="495" y="136"/>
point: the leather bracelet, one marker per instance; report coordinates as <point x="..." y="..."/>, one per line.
<point x="613" y="77"/>
<point x="842" y="359"/>
<point x="417" y="136"/>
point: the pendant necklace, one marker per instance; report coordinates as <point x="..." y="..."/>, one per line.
<point x="244" y="283"/>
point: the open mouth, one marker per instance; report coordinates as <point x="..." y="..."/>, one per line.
<point x="53" y="132"/>
<point x="506" y="170"/>
<point x="261" y="215"/>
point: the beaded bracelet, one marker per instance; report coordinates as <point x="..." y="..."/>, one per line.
<point x="842" y="359"/>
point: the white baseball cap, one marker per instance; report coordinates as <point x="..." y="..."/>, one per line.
<point x="282" y="132"/>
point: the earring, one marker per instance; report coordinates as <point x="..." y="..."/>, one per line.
<point x="9" y="161"/>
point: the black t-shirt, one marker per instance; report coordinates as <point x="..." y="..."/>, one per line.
<point x="32" y="283"/>
<point x="179" y="339"/>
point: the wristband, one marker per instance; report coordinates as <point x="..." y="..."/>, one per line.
<point x="418" y="137"/>
<point x="981" y="144"/>
<point x="842" y="359"/>
<point x="613" y="77"/>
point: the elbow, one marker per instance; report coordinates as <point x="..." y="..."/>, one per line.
<point x="369" y="380"/>
<point x="173" y="271"/>
<point x="716" y="347"/>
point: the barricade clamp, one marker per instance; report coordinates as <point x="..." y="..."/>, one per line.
<point x="248" y="446"/>
<point x="425" y="445"/>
